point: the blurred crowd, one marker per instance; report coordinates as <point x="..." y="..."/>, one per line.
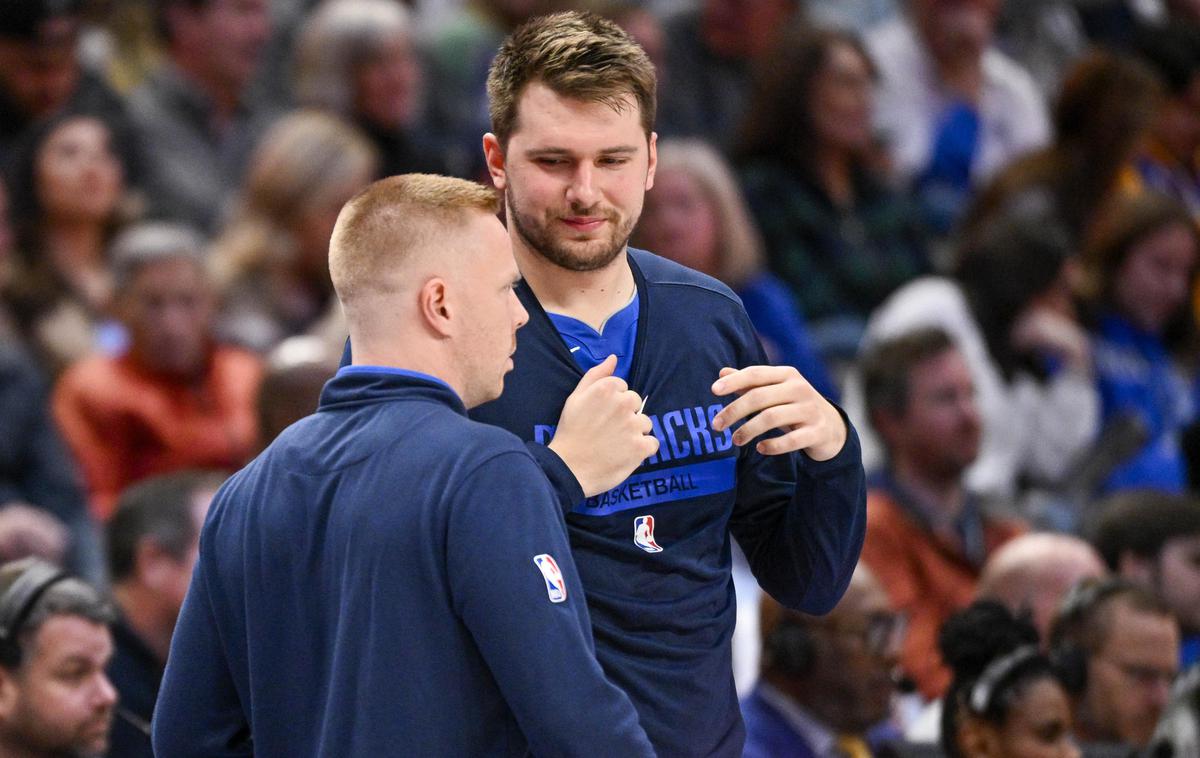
<point x="973" y="223"/>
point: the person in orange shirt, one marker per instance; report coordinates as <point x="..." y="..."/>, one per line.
<point x="174" y="399"/>
<point x="927" y="537"/>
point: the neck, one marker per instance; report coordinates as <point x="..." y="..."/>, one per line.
<point x="9" y="748"/>
<point x="145" y="615"/>
<point x="408" y="352"/>
<point x="811" y="699"/>
<point x="75" y="245"/>
<point x="944" y="492"/>
<point x="589" y="296"/>
<point x="223" y="99"/>
<point x="834" y="172"/>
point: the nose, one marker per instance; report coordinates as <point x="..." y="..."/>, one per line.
<point x="1071" y="750"/>
<point x="106" y="693"/>
<point x="582" y="191"/>
<point x="520" y="315"/>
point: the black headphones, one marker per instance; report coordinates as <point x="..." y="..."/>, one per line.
<point x="17" y="603"/>
<point x="789" y="648"/>
<point x="1076" y="611"/>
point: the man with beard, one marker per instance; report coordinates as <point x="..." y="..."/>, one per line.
<point x="55" y="699"/>
<point x="745" y="449"/>
<point x="927" y="537"/>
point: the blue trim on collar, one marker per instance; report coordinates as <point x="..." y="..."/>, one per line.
<point x="357" y="369"/>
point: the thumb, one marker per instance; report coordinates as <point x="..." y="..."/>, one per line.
<point x="601" y="370"/>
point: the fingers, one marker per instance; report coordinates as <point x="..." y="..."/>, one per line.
<point x="750" y="403"/>
<point x="601" y="370"/>
<point x="733" y="381"/>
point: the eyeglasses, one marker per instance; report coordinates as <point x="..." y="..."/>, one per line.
<point x="878" y="634"/>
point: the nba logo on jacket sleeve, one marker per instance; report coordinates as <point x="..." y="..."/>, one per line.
<point x="643" y="534"/>
<point x="556" y="586"/>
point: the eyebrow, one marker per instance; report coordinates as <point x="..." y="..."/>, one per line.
<point x="562" y="151"/>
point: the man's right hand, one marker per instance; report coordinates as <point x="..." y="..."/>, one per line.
<point x="601" y="435"/>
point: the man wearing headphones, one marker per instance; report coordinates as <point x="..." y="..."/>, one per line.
<point x="55" y="699"/>
<point x="825" y="681"/>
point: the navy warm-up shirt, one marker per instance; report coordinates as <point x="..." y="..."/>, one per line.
<point x="389" y="578"/>
<point x="654" y="552"/>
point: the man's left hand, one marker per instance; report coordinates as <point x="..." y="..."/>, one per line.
<point x="778" y="397"/>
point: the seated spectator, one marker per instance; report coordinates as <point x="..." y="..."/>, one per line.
<point x="1008" y="698"/>
<point x="1139" y="272"/>
<point x="41" y="73"/>
<point x="57" y="700"/>
<point x="1169" y="159"/>
<point x="712" y="48"/>
<point x="1009" y="309"/>
<point x="927" y="536"/>
<point x="954" y="110"/>
<point x="695" y="215"/>
<point x="192" y="115"/>
<point x="69" y="184"/>
<point x="1152" y="539"/>
<point x="271" y="262"/>
<point x="826" y="684"/>
<point x="174" y="400"/>
<point x="834" y="230"/>
<point x="297" y="371"/>
<point x="1106" y="104"/>
<point x="8" y="324"/>
<point x="1034" y="572"/>
<point x="1127" y="642"/>
<point x="358" y="60"/>
<point x="153" y="541"/>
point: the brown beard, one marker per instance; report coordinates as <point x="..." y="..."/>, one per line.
<point x="559" y="254"/>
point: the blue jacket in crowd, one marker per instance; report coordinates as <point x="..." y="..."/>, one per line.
<point x="654" y="552"/>
<point x="389" y="578"/>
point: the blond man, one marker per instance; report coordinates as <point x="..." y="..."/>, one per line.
<point x="389" y="577"/>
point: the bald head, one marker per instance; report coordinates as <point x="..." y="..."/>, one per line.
<point x="390" y="232"/>
<point x="1035" y="571"/>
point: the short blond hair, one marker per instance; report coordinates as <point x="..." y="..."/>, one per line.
<point x="576" y="54"/>
<point x="384" y="226"/>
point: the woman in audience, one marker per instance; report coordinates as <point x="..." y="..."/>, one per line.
<point x="695" y="215"/>
<point x="1140" y="269"/>
<point x="68" y="194"/>
<point x="1008" y="699"/>
<point x="358" y="59"/>
<point x="1106" y="104"/>
<point x="271" y="260"/>
<point x="834" y="231"/>
<point x="1010" y="310"/>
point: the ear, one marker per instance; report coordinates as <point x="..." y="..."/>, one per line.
<point x="653" y="162"/>
<point x="433" y="301"/>
<point x="1135" y="568"/>
<point x="887" y="424"/>
<point x="9" y="694"/>
<point x="493" y="154"/>
<point x="152" y="565"/>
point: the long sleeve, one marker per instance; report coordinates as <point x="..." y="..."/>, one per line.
<point x="96" y="439"/>
<point x="801" y="523"/>
<point x="199" y="712"/>
<point x="514" y="584"/>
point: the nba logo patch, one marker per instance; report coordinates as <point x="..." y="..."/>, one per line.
<point x="556" y="585"/>
<point x="643" y="534"/>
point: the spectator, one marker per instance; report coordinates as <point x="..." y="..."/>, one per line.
<point x="1010" y="311"/>
<point x="826" y="683"/>
<point x="191" y="114"/>
<point x="358" y="60"/>
<point x="271" y="261"/>
<point x="1169" y="160"/>
<point x="57" y="700"/>
<point x="1152" y="539"/>
<point x="1105" y="106"/>
<point x="711" y="51"/>
<point x="69" y="184"/>
<point x="927" y="536"/>
<point x="953" y="108"/>
<point x="1034" y="572"/>
<point x="153" y="541"/>
<point x="696" y="215"/>
<point x="8" y="326"/>
<point x="1008" y="698"/>
<point x="1128" y="643"/>
<point x="40" y="71"/>
<point x="175" y="399"/>
<point x="835" y="232"/>
<point x="1139" y="273"/>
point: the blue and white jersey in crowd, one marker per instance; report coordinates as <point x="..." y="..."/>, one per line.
<point x="388" y="578"/>
<point x="654" y="552"/>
